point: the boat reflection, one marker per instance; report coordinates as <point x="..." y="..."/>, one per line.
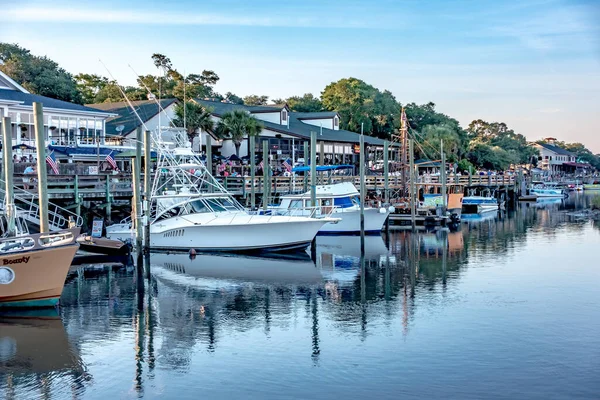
<point x="35" y="346"/>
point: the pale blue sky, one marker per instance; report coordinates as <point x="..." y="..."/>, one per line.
<point x="534" y="64"/>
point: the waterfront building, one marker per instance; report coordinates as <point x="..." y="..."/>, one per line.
<point x="121" y="129"/>
<point x="65" y="124"/>
<point x="286" y="131"/>
<point x="554" y="159"/>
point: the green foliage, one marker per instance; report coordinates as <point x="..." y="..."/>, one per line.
<point x="595" y="203"/>
<point x="38" y="75"/>
<point x="195" y="117"/>
<point x="232" y="98"/>
<point x="98" y="89"/>
<point x="236" y="125"/>
<point x="255" y="100"/>
<point x="360" y="103"/>
<point x="305" y="103"/>
<point x="465" y="165"/>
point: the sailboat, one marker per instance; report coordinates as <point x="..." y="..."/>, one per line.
<point x="190" y="209"/>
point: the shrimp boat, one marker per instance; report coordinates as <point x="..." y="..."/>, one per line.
<point x="341" y="200"/>
<point x="33" y="268"/>
<point x="190" y="209"/>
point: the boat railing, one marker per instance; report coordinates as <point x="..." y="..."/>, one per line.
<point x="310" y="212"/>
<point x="38" y="241"/>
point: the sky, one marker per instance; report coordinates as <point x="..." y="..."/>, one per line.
<point x="533" y="64"/>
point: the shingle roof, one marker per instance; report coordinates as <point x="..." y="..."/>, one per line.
<point x="315" y="115"/>
<point x="126" y="117"/>
<point x="557" y="150"/>
<point x="297" y="127"/>
<point x="28" y="99"/>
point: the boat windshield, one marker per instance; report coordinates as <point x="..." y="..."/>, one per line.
<point x="344" y="202"/>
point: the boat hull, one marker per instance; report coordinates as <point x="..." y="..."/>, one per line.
<point x="548" y="193"/>
<point x="38" y="277"/>
<point x="350" y="222"/>
<point x="242" y="232"/>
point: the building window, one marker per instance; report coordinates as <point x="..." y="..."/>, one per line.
<point x="284" y="115"/>
<point x="546" y="157"/>
<point x="335" y="121"/>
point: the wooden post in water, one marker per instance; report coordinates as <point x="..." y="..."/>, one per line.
<point x="313" y="169"/>
<point x="470" y="176"/>
<point x="413" y="177"/>
<point x="443" y="175"/>
<point x="40" y="144"/>
<point x="135" y="166"/>
<point x="147" y="188"/>
<point x="77" y="199"/>
<point x="7" y="168"/>
<point x="363" y="189"/>
<point x="266" y="180"/>
<point x="209" y="154"/>
<point x="108" y="198"/>
<point x="253" y="171"/>
<point x="386" y="172"/>
<point x="322" y="150"/>
<point x="306" y="163"/>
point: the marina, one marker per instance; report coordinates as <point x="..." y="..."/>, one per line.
<point x="256" y="315"/>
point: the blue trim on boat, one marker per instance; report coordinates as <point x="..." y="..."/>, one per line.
<point x="40" y="303"/>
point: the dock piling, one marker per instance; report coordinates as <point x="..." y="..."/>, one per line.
<point x="8" y="170"/>
<point x="40" y="144"/>
<point x="386" y="172"/>
<point x="266" y="180"/>
<point x="147" y="188"/>
<point x="313" y="169"/>
<point x="253" y="172"/>
<point x="413" y="177"/>
<point x="363" y="189"/>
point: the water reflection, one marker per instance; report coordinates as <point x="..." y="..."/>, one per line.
<point x="226" y="322"/>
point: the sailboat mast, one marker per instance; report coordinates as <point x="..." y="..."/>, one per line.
<point x="403" y="148"/>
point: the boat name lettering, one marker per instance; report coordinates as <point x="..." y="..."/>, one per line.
<point x="16" y="261"/>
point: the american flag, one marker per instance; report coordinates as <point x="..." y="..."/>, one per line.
<point x="287" y="165"/>
<point x="403" y="116"/>
<point x="51" y="160"/>
<point x="111" y="160"/>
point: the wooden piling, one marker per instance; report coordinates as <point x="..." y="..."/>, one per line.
<point x="252" y="171"/>
<point x="363" y="189"/>
<point x="322" y="151"/>
<point x="413" y="177"/>
<point x="137" y="206"/>
<point x="147" y="188"/>
<point x="386" y="172"/>
<point x="40" y="144"/>
<point x="108" y="199"/>
<point x="305" y="163"/>
<point x="443" y="176"/>
<point x="313" y="169"/>
<point x="8" y="169"/>
<point x="77" y="199"/>
<point x="266" y="176"/>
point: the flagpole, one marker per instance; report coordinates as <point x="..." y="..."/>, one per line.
<point x="98" y="154"/>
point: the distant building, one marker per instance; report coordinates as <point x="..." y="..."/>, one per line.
<point x="554" y="159"/>
<point x="286" y="131"/>
<point x="122" y="127"/>
<point x="65" y="124"/>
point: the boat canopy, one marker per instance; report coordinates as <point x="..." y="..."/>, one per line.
<point x="320" y="168"/>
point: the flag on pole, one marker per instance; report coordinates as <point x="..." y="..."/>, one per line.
<point x="287" y="165"/>
<point x="111" y="160"/>
<point x="403" y="117"/>
<point x="51" y="160"/>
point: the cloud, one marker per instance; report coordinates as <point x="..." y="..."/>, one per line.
<point x="106" y="16"/>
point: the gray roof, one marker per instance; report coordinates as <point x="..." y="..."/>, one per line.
<point x="557" y="150"/>
<point x="297" y="127"/>
<point x="315" y="115"/>
<point x="146" y="109"/>
<point x="28" y="99"/>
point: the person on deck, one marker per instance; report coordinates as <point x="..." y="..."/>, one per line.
<point x="30" y="170"/>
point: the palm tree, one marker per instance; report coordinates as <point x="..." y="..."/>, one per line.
<point x="236" y="125"/>
<point x="196" y="117"/>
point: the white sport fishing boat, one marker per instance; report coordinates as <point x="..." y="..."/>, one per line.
<point x="547" y="191"/>
<point x="340" y="200"/>
<point x="479" y="204"/>
<point x="190" y="209"/>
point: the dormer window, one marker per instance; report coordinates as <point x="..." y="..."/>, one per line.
<point x="284" y="115"/>
<point x="336" y="122"/>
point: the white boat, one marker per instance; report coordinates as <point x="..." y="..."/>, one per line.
<point x="547" y="191"/>
<point x="190" y="209"/>
<point x="479" y="204"/>
<point x="341" y="200"/>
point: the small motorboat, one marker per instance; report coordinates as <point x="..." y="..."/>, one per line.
<point x="109" y="247"/>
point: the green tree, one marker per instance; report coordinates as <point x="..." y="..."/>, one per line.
<point x="255" y="100"/>
<point x="193" y="117"/>
<point x="232" y="98"/>
<point x="39" y="75"/>
<point x="305" y="103"/>
<point x="360" y="103"/>
<point x="236" y="125"/>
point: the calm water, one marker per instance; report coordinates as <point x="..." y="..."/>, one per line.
<point x="506" y="307"/>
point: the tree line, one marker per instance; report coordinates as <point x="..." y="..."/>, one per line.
<point x="483" y="144"/>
